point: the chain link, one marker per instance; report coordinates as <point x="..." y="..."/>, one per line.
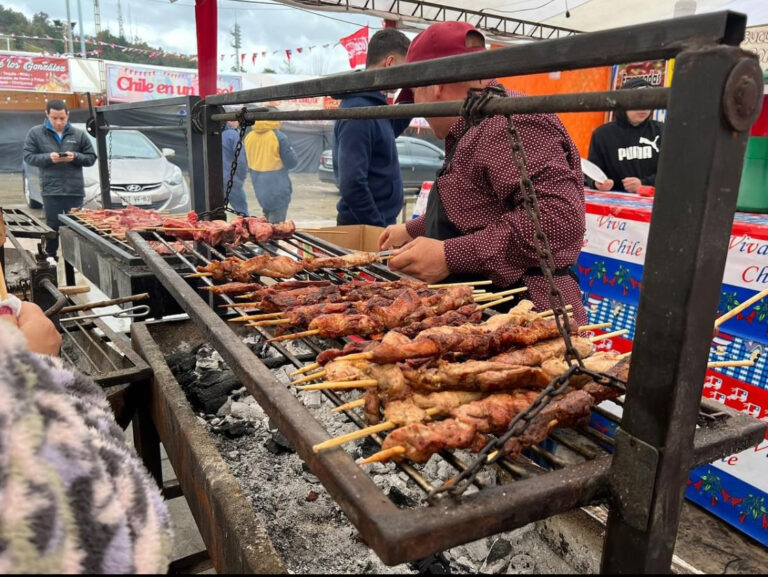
<point x="233" y="169"/>
<point x="472" y="110"/>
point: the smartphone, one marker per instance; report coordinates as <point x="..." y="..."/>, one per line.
<point x="62" y="154"/>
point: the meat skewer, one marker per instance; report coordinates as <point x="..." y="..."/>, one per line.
<point x="470" y="423"/>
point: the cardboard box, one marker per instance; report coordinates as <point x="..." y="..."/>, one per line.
<point x="354" y="237"/>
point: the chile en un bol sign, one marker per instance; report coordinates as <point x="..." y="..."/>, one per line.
<point x="140" y="83"/>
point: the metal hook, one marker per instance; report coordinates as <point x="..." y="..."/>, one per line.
<point x="134" y="312"/>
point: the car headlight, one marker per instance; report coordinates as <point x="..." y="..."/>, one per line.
<point x="176" y="177"/>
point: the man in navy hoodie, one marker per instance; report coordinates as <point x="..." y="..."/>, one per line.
<point x="365" y="163"/>
<point x="627" y="149"/>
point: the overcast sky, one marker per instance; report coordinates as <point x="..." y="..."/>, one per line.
<point x="265" y="26"/>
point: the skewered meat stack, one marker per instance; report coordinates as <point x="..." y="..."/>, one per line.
<point x="279" y="266"/>
<point x="478" y="397"/>
<point x="239" y="229"/>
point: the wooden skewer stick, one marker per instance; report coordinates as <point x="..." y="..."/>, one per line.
<point x="608" y="335"/>
<point x="498" y="295"/>
<point x="595" y="326"/>
<point x="384" y="455"/>
<point x="550" y="312"/>
<point x="310" y="231"/>
<point x="355" y="357"/>
<point x="734" y="311"/>
<point x="3" y="290"/>
<point x="270" y="323"/>
<point x="367" y="431"/>
<point x="172" y="229"/>
<point x="305" y="369"/>
<point x="259" y="317"/>
<point x="198" y="275"/>
<point x="625" y="355"/>
<point x="340" y="385"/>
<point x="309" y="378"/>
<point x="293" y="336"/>
<point x="720" y="364"/>
<point x="350" y="405"/>
<point x="242" y="306"/>
<point x="495" y="303"/>
<point x="473" y="283"/>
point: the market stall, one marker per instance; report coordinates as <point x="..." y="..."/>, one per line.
<point x="610" y="268"/>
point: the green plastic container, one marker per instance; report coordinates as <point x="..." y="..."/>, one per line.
<point x="753" y="191"/>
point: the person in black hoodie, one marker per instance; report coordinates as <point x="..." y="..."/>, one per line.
<point x="365" y="163"/>
<point x="627" y="149"/>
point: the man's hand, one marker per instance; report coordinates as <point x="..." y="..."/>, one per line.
<point x="631" y="183"/>
<point x="423" y="258"/>
<point x="605" y="186"/>
<point x="64" y="157"/>
<point x="40" y="332"/>
<point x="394" y="236"/>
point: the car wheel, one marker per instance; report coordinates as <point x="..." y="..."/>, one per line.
<point x="31" y="203"/>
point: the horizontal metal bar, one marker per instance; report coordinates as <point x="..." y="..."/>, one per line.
<point x="157" y="103"/>
<point x="108" y="127"/>
<point x="653" y="41"/>
<point x="647" y="99"/>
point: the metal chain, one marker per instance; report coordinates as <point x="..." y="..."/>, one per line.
<point x="472" y="110"/>
<point x="233" y="169"/>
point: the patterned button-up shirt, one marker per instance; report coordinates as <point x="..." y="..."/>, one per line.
<point x="480" y="193"/>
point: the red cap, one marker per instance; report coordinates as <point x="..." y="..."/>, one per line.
<point x="442" y="39"/>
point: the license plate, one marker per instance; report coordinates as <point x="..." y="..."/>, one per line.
<point x="136" y="199"/>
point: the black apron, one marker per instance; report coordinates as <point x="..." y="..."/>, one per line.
<point x="437" y="225"/>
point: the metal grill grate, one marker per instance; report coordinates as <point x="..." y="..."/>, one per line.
<point x="565" y="471"/>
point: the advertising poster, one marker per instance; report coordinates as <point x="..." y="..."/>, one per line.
<point x="34" y="73"/>
<point x="131" y="83"/>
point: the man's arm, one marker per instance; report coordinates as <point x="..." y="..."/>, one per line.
<point x="86" y="156"/>
<point x="355" y="150"/>
<point x="32" y="154"/>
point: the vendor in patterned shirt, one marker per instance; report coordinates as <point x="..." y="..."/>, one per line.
<point x="476" y="225"/>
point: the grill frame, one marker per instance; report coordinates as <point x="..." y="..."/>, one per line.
<point x="399" y="535"/>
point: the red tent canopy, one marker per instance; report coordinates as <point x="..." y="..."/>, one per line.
<point x="206" y="22"/>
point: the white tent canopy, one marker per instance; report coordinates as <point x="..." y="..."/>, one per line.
<point x="583" y="15"/>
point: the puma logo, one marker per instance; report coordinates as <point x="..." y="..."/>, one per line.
<point x="654" y="144"/>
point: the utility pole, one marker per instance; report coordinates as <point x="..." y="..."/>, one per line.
<point x="70" y="44"/>
<point x="237" y="44"/>
<point x="120" y="27"/>
<point x="80" y="23"/>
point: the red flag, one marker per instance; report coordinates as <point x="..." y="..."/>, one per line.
<point x="242" y="59"/>
<point x="253" y="59"/>
<point x="288" y="54"/>
<point x="357" y="47"/>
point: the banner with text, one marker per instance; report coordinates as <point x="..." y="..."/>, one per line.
<point x="34" y="73"/>
<point x="129" y="83"/>
<point x="356" y="46"/>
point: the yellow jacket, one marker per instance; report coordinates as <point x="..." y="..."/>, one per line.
<point x="262" y="149"/>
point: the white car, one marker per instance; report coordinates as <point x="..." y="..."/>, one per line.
<point x="140" y="175"/>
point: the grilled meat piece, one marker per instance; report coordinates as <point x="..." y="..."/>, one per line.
<point x="350" y="260"/>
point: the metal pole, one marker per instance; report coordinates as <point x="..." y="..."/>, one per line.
<point x="70" y="45"/>
<point x="82" y="31"/>
<point x="687" y="248"/>
<point x="214" y="170"/>
<point x="101" y="143"/>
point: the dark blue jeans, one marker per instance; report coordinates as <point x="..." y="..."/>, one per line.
<point x="54" y="206"/>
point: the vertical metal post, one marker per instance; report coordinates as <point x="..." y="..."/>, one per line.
<point x="214" y="172"/>
<point x="81" y="27"/>
<point x="196" y="159"/>
<point x="713" y="102"/>
<point x="103" y="152"/>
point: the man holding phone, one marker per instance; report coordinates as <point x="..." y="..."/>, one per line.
<point x="60" y="152"/>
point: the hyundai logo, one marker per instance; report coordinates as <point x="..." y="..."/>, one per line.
<point x="133" y="187"/>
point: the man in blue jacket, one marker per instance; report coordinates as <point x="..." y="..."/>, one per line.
<point x="60" y="152"/>
<point x="365" y="162"/>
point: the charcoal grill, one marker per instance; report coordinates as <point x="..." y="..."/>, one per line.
<point x="715" y="92"/>
<point x="396" y="534"/>
<point x="111" y="264"/>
